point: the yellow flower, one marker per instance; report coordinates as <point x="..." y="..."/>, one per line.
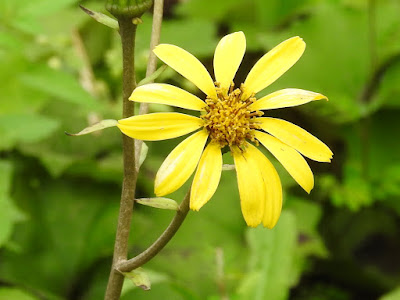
<point x="231" y="118"/>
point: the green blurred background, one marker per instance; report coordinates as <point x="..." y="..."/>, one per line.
<point x="59" y="196"/>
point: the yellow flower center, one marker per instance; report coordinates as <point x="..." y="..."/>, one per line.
<point x="229" y="119"/>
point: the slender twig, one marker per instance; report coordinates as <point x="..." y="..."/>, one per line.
<point x="116" y="279"/>
<point x="219" y="263"/>
<point x="152" y="62"/>
<point x="159" y="244"/>
<point x="87" y="77"/>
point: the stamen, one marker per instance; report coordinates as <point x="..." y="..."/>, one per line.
<point x="229" y="119"/>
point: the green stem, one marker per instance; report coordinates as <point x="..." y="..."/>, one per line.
<point x="116" y="279"/>
<point x="152" y="62"/>
<point x="159" y="244"/>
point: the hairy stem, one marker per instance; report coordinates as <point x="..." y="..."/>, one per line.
<point x="116" y="279"/>
<point x="152" y="62"/>
<point x="159" y="244"/>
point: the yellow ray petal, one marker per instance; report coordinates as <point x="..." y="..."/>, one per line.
<point x="251" y="186"/>
<point x="159" y="126"/>
<point x="166" y="94"/>
<point x="227" y="58"/>
<point x="180" y="164"/>
<point x="286" y="98"/>
<point x="188" y="66"/>
<point x="207" y="176"/>
<point x="273" y="188"/>
<point x="296" y="137"/>
<point x="273" y="64"/>
<point x="292" y="160"/>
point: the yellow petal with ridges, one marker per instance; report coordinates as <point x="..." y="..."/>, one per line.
<point x="227" y="58"/>
<point x="296" y="137"/>
<point x="167" y="94"/>
<point x="188" y="66"/>
<point x="286" y="98"/>
<point x="180" y="164"/>
<point x="273" y="188"/>
<point x="159" y="126"/>
<point x="292" y="160"/>
<point x="273" y="64"/>
<point x="207" y="176"/>
<point x="251" y="186"/>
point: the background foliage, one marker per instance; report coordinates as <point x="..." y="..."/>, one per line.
<point x="61" y="71"/>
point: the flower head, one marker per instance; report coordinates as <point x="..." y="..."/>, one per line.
<point x="230" y="117"/>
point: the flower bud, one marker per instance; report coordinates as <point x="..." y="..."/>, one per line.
<point x="128" y="8"/>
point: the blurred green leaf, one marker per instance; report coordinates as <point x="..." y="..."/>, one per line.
<point x="393" y="295"/>
<point x="207" y="9"/>
<point x="39" y="8"/>
<point x="271" y="260"/>
<point x="180" y="33"/>
<point x="16" y="129"/>
<point x="62" y="222"/>
<point x="15" y="294"/>
<point x="58" y="84"/>
<point x="310" y="243"/>
<point x="9" y="214"/>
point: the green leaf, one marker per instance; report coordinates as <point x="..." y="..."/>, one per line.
<point x="39" y="8"/>
<point x="15" y="294"/>
<point x="310" y="243"/>
<point x="308" y="215"/>
<point x="153" y="277"/>
<point x="139" y="278"/>
<point x="18" y="128"/>
<point x="63" y="216"/>
<point x="9" y="214"/>
<point x="341" y="78"/>
<point x="101" y="18"/>
<point x="95" y="127"/>
<point x="27" y="13"/>
<point x="58" y="84"/>
<point x="180" y="33"/>
<point x="159" y="202"/>
<point x="393" y="295"/>
<point x="207" y="9"/>
<point x="271" y="260"/>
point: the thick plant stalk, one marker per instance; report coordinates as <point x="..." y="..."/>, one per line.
<point x="130" y="148"/>
<point x="116" y="279"/>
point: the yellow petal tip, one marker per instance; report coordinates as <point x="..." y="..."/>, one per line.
<point x="320" y="97"/>
<point x="157" y="192"/>
<point x="269" y="225"/>
<point x="194" y="207"/>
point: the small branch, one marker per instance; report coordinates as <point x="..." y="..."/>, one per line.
<point x="86" y="74"/>
<point x="219" y="263"/>
<point x="372" y="85"/>
<point x="116" y="279"/>
<point x="159" y="244"/>
<point x="152" y="62"/>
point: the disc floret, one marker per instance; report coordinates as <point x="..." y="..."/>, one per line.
<point x="228" y="118"/>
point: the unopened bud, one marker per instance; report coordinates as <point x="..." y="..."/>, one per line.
<point x="128" y="8"/>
